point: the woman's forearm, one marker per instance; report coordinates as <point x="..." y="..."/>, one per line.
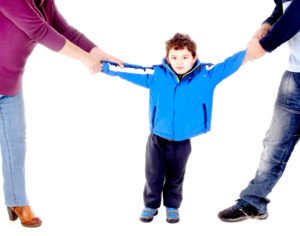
<point x="73" y="51"/>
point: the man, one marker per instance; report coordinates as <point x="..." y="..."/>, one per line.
<point x="282" y="26"/>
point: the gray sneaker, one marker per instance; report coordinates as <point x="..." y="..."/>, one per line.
<point x="148" y="214"/>
<point x="172" y="215"/>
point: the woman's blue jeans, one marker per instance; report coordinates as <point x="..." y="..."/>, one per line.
<point x="12" y="142"/>
<point x="279" y="142"/>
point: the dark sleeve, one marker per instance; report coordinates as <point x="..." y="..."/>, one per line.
<point x="284" y="29"/>
<point x="276" y="14"/>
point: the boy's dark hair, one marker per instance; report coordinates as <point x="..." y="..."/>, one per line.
<point x="180" y="41"/>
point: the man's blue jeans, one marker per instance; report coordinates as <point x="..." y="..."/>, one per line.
<point x="12" y="142"/>
<point x="279" y="142"/>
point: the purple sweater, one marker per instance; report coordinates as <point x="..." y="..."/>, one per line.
<point x="22" y="26"/>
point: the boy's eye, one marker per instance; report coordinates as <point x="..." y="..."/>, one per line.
<point x="173" y="58"/>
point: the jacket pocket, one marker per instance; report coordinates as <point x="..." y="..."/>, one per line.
<point x="153" y="117"/>
<point x="204" y="115"/>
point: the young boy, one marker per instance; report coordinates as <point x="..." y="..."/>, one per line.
<point x="181" y="95"/>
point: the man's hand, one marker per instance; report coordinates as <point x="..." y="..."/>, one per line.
<point x="262" y="31"/>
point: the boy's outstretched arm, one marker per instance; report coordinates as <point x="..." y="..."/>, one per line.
<point x="138" y="75"/>
<point x="246" y="58"/>
<point x="230" y="65"/>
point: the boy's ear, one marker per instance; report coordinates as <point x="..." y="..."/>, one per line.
<point x="195" y="58"/>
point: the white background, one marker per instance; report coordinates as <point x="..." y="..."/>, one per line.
<point x="86" y="134"/>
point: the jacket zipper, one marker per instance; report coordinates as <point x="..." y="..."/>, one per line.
<point x="175" y="90"/>
<point x="174" y="105"/>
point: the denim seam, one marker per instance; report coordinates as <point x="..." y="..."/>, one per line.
<point x="9" y="156"/>
<point x="289" y="110"/>
<point x="268" y="144"/>
<point x="287" y="87"/>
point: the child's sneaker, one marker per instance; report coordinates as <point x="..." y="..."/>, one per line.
<point x="172" y="215"/>
<point x="148" y="214"/>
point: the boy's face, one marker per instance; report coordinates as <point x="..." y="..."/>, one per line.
<point x="181" y="60"/>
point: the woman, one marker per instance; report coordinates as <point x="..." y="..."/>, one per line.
<point x="23" y="24"/>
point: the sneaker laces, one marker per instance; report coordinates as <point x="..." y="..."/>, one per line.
<point x="246" y="208"/>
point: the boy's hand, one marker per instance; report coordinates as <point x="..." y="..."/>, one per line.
<point x="255" y="50"/>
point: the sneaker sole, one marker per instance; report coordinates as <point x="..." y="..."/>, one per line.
<point x="146" y="220"/>
<point x="260" y="217"/>
<point x="172" y="221"/>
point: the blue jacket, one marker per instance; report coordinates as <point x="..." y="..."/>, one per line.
<point x="178" y="110"/>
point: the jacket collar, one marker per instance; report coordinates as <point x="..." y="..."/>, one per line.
<point x="197" y="66"/>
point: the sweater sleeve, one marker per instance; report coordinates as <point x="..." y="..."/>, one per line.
<point x="138" y="75"/>
<point x="61" y="25"/>
<point x="22" y="14"/>
<point x="226" y="68"/>
<point x="285" y="27"/>
<point x="276" y="14"/>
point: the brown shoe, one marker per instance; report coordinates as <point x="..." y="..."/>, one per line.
<point x="27" y="217"/>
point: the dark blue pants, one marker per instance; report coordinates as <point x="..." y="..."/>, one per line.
<point x="165" y="168"/>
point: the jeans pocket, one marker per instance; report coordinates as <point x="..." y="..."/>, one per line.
<point x="289" y="91"/>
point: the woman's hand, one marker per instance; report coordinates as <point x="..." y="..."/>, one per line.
<point x="92" y="64"/>
<point x="103" y="56"/>
<point x="71" y="50"/>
